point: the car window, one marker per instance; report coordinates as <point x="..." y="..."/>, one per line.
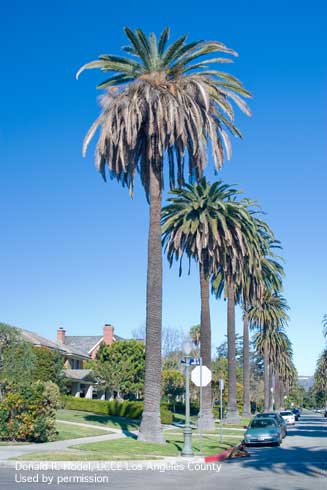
<point x="286" y="413"/>
<point x="262" y="423"/>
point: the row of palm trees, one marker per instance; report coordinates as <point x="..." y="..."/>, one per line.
<point x="320" y="376"/>
<point x="234" y="249"/>
<point x="163" y="105"/>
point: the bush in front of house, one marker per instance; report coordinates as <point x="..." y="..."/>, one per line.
<point x="28" y="413"/>
<point x="115" y="408"/>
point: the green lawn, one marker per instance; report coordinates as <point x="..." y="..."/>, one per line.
<point x="131" y="449"/>
<point x="66" y="431"/>
<point x="98" y="420"/>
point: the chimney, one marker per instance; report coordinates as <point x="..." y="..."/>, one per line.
<point x="61" y="335"/>
<point x="108" y="334"/>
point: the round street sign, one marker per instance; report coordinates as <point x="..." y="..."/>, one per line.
<point x="206" y="375"/>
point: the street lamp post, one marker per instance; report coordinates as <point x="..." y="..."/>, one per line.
<point x="187" y="448"/>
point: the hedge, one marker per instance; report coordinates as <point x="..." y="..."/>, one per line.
<point x="115" y="408"/>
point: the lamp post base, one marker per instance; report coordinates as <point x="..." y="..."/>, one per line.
<point x="187" y="448"/>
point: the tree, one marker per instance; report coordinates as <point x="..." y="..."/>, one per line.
<point x="172" y="382"/>
<point x="241" y="261"/>
<point x="120" y="367"/>
<point x="48" y="366"/>
<point x="162" y="102"/>
<point x="320" y="376"/>
<point x="17" y="359"/>
<point x="265" y="316"/>
<point x="195" y="334"/>
<point x="207" y="224"/>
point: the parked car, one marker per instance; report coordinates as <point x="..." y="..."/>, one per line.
<point x="263" y="430"/>
<point x="288" y="416"/>
<point x="296" y="413"/>
<point x="278" y="418"/>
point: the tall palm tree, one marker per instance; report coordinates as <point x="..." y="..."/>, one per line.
<point x="208" y="224"/>
<point x="280" y="357"/>
<point x="243" y="287"/>
<point x="269" y="276"/>
<point x="268" y="315"/>
<point x="324" y="325"/>
<point x="162" y="101"/>
<point x="320" y="376"/>
<point x="195" y="334"/>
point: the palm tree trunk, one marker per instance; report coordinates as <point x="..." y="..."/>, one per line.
<point x="206" y="419"/>
<point x="232" y="415"/>
<point x="266" y="377"/>
<point x="271" y="388"/>
<point x="246" y="367"/>
<point x="277" y="392"/>
<point x="150" y="429"/>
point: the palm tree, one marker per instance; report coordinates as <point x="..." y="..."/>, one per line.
<point x="242" y="287"/>
<point x="268" y="315"/>
<point x="207" y="224"/>
<point x="269" y="276"/>
<point x="324" y="325"/>
<point x="280" y="358"/>
<point x="162" y="101"/>
<point x="195" y="334"/>
<point x="320" y="376"/>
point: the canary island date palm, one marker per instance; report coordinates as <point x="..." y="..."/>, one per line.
<point x="266" y="315"/>
<point x="280" y="358"/>
<point x="320" y="375"/>
<point x="324" y="325"/>
<point x="238" y="285"/>
<point x="269" y="276"/>
<point x="162" y="103"/>
<point x="206" y="223"/>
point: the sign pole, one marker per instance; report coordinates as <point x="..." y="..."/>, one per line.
<point x="221" y="387"/>
<point x="201" y="404"/>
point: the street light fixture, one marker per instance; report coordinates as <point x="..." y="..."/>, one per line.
<point x="187" y="448"/>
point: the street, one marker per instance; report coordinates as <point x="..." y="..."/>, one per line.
<point x="299" y="464"/>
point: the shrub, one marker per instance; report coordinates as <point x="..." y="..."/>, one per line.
<point x="85" y="404"/>
<point x="115" y="408"/>
<point x="28" y="413"/>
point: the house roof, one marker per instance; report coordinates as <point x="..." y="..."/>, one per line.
<point x="85" y="343"/>
<point x="82" y="342"/>
<point x="38" y="340"/>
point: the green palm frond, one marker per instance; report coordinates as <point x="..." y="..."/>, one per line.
<point x="162" y="103"/>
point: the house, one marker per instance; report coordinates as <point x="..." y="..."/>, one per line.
<point x="81" y="382"/>
<point x="76" y="350"/>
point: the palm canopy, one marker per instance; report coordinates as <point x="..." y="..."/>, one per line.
<point x="207" y="223"/>
<point x="269" y="313"/>
<point x="164" y="100"/>
<point x="277" y="341"/>
<point x="252" y="283"/>
<point x="324" y="325"/>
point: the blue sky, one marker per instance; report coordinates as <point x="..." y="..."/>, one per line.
<point x="73" y="249"/>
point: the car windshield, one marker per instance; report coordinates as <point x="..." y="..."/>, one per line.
<point x="269" y="415"/>
<point x="262" y="423"/>
<point x="286" y="413"/>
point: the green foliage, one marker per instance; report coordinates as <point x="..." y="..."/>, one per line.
<point x="49" y="366"/>
<point x="28" y="413"/>
<point x="115" y="408"/>
<point x="17" y="359"/>
<point x="172" y="383"/>
<point x="121" y="366"/>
